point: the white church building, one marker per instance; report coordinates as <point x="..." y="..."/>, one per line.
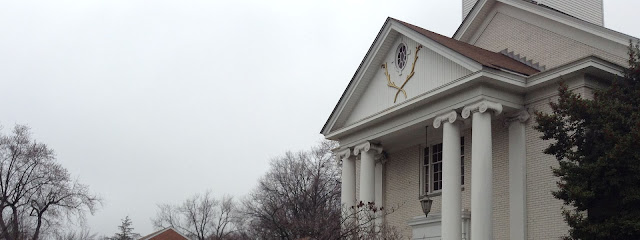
<point x="450" y="118"/>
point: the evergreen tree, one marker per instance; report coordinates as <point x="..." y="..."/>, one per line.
<point x="597" y="144"/>
<point x="126" y="230"/>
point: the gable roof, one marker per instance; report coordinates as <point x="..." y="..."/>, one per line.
<point x="485" y="57"/>
<point x="482" y="56"/>
<point x="165" y="234"/>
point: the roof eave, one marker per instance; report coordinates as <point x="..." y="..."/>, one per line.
<point x="559" y="16"/>
<point x="325" y="130"/>
<point x="591" y="61"/>
<point x="471" y="17"/>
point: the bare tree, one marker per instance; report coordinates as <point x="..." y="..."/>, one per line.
<point x="70" y="234"/>
<point x="359" y="222"/>
<point x="299" y="198"/>
<point x="35" y="191"/>
<point x="201" y="217"/>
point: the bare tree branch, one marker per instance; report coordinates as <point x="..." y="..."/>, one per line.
<point x="200" y="217"/>
<point x="35" y="191"/>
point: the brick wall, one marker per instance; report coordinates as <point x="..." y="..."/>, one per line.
<point x="545" y="221"/>
<point x="500" y="135"/>
<point x="544" y="217"/>
<point x="402" y="185"/>
<point x="536" y="43"/>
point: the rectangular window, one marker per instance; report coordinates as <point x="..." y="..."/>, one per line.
<point x="431" y="167"/>
<point x="436" y="162"/>
<point x="425" y="170"/>
<point x="462" y="158"/>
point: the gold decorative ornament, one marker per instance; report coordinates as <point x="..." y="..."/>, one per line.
<point x="393" y="84"/>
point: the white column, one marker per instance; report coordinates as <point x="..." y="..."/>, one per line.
<point x="451" y="176"/>
<point x="379" y="190"/>
<point x="348" y="194"/>
<point x="367" y="152"/>
<point x="481" y="168"/>
<point x="517" y="176"/>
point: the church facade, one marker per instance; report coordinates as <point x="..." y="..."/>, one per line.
<point x="450" y="118"/>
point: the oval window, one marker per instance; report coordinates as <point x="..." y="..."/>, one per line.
<point x="401" y="56"/>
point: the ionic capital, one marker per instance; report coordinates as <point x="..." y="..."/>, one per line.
<point x="365" y="147"/>
<point x="380" y="158"/>
<point x="518" y="116"/>
<point x="344" y="154"/>
<point x="481" y="107"/>
<point x="451" y="117"/>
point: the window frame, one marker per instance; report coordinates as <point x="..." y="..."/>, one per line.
<point x="401" y="60"/>
<point x="427" y="171"/>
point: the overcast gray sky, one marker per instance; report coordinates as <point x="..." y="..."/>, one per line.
<point x="152" y="101"/>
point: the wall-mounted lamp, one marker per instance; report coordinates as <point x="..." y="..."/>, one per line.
<point x="426" y="202"/>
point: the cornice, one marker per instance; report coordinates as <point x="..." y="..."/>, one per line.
<point x="574" y="67"/>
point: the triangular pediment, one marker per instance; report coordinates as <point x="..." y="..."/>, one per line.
<point x="383" y="81"/>
<point x="392" y="85"/>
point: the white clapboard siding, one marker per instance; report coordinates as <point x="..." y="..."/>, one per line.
<point x="432" y="70"/>
<point x="466" y="7"/>
<point x="589" y="10"/>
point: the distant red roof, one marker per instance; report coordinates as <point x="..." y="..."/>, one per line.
<point x="165" y="234"/>
<point x="480" y="55"/>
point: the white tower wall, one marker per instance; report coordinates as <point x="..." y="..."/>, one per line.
<point x="589" y="10"/>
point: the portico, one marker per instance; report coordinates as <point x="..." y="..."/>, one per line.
<point x="384" y="112"/>
<point x="450" y="124"/>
